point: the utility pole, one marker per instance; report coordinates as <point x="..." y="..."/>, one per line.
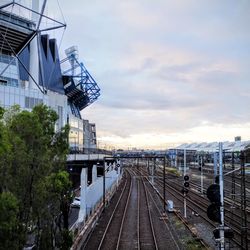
<point x="215" y="165"/>
<point x="176" y="159"/>
<point x="201" y="162"/>
<point x="164" y="184"/>
<point x="244" y="240"/>
<point x="153" y="172"/>
<point x="222" y="238"/>
<point x="148" y="166"/>
<point x="184" y="174"/>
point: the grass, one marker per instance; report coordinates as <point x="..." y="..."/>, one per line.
<point x="192" y="244"/>
<point x="173" y="171"/>
<point x="188" y="241"/>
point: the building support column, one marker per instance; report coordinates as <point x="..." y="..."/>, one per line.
<point x="94" y="173"/>
<point x="82" y="212"/>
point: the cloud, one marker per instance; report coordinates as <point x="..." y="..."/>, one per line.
<point x="164" y="69"/>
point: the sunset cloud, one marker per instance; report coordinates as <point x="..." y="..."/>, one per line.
<point x="169" y="71"/>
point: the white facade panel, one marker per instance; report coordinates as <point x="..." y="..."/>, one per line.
<point x="12" y="99"/>
<point x="25" y="98"/>
<point x="58" y="103"/>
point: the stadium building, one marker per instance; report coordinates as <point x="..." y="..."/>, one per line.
<point x="31" y="72"/>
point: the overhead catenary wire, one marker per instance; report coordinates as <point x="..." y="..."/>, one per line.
<point x="61" y="11"/>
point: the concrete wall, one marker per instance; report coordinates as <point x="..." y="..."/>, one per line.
<point x="93" y="194"/>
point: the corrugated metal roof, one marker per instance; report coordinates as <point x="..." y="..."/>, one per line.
<point x="213" y="146"/>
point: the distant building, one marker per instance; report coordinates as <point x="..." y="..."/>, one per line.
<point x="237" y="145"/>
<point x="237" y="138"/>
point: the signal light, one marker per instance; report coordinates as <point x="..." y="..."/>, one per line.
<point x="213" y="210"/>
<point x="117" y="166"/>
<point x="228" y="233"/>
<point x="184" y="190"/>
<point x="213" y="193"/>
<point x="185" y="184"/>
<point x="217" y="179"/>
<point x="201" y="163"/>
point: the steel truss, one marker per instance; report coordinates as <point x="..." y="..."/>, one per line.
<point x="79" y="85"/>
<point x="16" y="48"/>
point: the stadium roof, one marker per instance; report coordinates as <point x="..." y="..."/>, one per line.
<point x="213" y="146"/>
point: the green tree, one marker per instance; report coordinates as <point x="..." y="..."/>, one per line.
<point x="8" y="221"/>
<point x="57" y="185"/>
<point x="5" y="151"/>
<point x="34" y="156"/>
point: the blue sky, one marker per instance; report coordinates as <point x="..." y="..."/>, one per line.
<point x="169" y="71"/>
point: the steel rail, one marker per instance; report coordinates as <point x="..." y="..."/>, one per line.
<point x="124" y="214"/>
<point x="204" y="217"/>
<point x="150" y="216"/>
<point x="201" y="203"/>
<point x="164" y="221"/>
<point x="204" y="201"/>
<point x="138" y="216"/>
<point x="112" y="215"/>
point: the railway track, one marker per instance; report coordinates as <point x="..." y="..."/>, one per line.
<point x="195" y="188"/>
<point x="137" y="221"/>
<point x="199" y="204"/>
<point x="97" y="238"/>
<point x="110" y="238"/>
<point x="146" y="231"/>
<point x="156" y="209"/>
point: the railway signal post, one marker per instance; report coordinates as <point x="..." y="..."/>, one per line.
<point x="185" y="185"/>
<point x="222" y="238"/>
<point x="201" y="166"/>
<point x="185" y="191"/>
<point x="164" y="183"/>
<point x="215" y="211"/>
<point x="215" y="164"/>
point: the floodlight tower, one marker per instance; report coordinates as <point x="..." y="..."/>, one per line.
<point x="72" y="55"/>
<point x="79" y="85"/>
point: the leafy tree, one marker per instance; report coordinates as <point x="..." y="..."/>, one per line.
<point x="57" y="185"/>
<point x="34" y="157"/>
<point x="8" y="221"/>
<point x="5" y="150"/>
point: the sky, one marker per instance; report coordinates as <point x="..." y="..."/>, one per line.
<point x="170" y="71"/>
